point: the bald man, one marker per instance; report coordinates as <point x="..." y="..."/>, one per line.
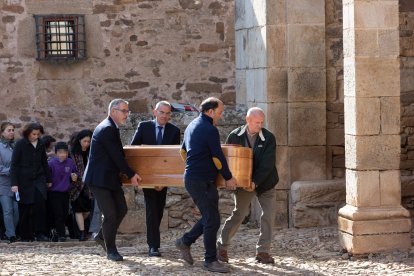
<point x="264" y="179"/>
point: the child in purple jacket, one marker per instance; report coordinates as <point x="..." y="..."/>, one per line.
<point x="64" y="173"/>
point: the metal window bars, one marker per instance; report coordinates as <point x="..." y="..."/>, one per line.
<point x="60" y="37"/>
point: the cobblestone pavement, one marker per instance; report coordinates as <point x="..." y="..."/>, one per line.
<point x="313" y="251"/>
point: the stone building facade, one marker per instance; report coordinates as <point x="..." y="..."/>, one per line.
<point x="286" y="56"/>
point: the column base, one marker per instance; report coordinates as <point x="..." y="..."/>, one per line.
<point x="373" y="230"/>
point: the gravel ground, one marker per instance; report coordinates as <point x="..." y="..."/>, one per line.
<point x="313" y="251"/>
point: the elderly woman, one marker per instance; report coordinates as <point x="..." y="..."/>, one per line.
<point x="7" y="192"/>
<point x="30" y="172"/>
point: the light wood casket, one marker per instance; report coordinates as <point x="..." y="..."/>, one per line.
<point x="163" y="166"/>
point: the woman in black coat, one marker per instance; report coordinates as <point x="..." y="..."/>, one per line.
<point x="29" y="171"/>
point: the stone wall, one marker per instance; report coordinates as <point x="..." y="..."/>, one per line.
<point x="143" y="51"/>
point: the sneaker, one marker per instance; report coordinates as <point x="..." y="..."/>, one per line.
<point x="216" y="266"/>
<point x="185" y="251"/>
<point x="264" y="258"/>
<point x="222" y="255"/>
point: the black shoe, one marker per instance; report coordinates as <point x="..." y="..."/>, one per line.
<point x="101" y="242"/>
<point x="153" y="252"/>
<point x="82" y="236"/>
<point x="116" y="257"/>
<point x="42" y="238"/>
<point x="12" y="239"/>
<point x="62" y="239"/>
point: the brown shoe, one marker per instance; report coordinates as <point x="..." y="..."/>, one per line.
<point x="185" y="251"/>
<point x="264" y="258"/>
<point x="222" y="255"/>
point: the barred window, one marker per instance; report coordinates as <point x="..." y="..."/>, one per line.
<point x="60" y="37"/>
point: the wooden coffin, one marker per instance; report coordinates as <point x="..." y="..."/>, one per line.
<point x="163" y="166"/>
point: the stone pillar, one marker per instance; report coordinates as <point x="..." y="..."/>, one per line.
<point x="280" y="67"/>
<point x="373" y="219"/>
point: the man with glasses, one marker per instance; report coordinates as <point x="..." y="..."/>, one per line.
<point x="106" y="162"/>
<point x="156" y="132"/>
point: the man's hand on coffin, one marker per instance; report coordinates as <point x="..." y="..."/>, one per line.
<point x="231" y="184"/>
<point x="251" y="188"/>
<point x="158" y="188"/>
<point x="135" y="179"/>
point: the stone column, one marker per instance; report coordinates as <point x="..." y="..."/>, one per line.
<point x="373" y="219"/>
<point x="280" y="67"/>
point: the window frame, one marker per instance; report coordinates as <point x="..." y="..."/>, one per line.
<point x="60" y="42"/>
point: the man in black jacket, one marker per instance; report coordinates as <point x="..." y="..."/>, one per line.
<point x="156" y="132"/>
<point x="264" y="178"/>
<point x="106" y="162"/>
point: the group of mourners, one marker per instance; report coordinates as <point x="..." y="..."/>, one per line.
<point x="36" y="193"/>
<point x="41" y="187"/>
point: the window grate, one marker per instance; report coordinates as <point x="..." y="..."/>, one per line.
<point x="60" y="37"/>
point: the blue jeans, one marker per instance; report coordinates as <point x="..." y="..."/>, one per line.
<point x="10" y="214"/>
<point x="205" y="196"/>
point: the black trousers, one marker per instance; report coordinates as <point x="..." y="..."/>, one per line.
<point x="58" y="203"/>
<point x="33" y="217"/>
<point x="113" y="207"/>
<point x="154" y="208"/>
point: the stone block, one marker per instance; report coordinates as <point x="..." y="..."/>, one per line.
<point x="275" y="12"/>
<point x="54" y="71"/>
<point x="390" y="187"/>
<point x="255" y="13"/>
<point x="276" y="46"/>
<point x="335" y="137"/>
<point x="374" y="77"/>
<point x="241" y="44"/>
<point x="283" y="167"/>
<point x="366" y="42"/>
<point x="59" y="7"/>
<point x="381" y="152"/>
<point x="277" y="85"/>
<point x="376" y="14"/>
<point x="307" y="85"/>
<point x="134" y="222"/>
<point x="240" y="14"/>
<point x="362" y="116"/>
<point x="307" y="124"/>
<point x="407" y="82"/>
<point x="241" y="95"/>
<point x="363" y="188"/>
<point x="313" y="55"/>
<point x="388" y="41"/>
<point x="305" y="11"/>
<point x="94" y="37"/>
<point x="307" y="163"/>
<point x="26" y="45"/>
<point x="390" y="115"/>
<point x="256" y="85"/>
<point x="256" y="47"/>
<point x="276" y="118"/>
<point x="316" y="203"/>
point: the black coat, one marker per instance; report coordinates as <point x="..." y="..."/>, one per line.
<point x="264" y="174"/>
<point x="145" y="134"/>
<point x="29" y="170"/>
<point x="106" y="158"/>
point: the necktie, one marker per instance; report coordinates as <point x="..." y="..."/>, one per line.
<point x="159" y="135"/>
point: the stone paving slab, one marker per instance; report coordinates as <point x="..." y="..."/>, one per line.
<point x="313" y="251"/>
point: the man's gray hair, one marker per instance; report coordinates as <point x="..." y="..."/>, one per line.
<point x="115" y="103"/>
<point x="253" y="111"/>
<point x="162" y="103"/>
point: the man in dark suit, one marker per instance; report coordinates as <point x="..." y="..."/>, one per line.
<point x="156" y="132"/>
<point x="106" y="162"/>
